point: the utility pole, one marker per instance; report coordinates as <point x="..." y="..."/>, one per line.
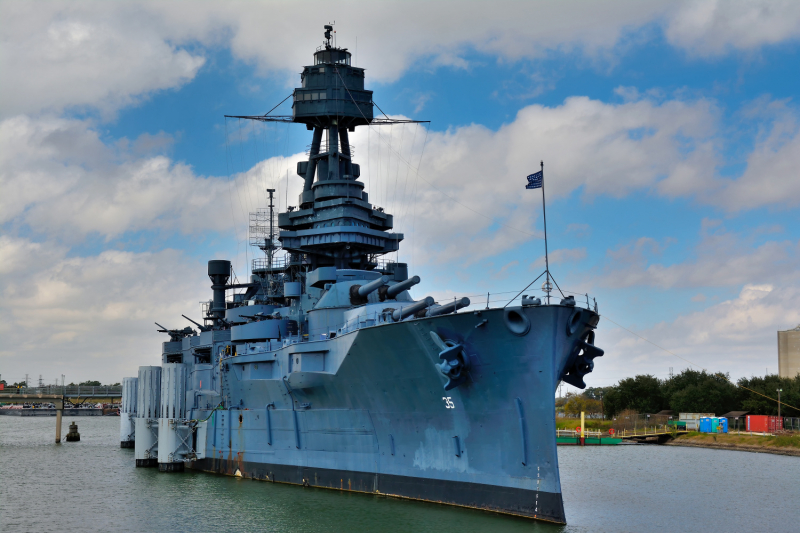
<point x="779" y="402"/>
<point x="602" y="406"/>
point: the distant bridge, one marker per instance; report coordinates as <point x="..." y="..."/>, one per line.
<point x="57" y="399"/>
<point x="81" y="391"/>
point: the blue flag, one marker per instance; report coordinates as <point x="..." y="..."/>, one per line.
<point x="535" y="180"/>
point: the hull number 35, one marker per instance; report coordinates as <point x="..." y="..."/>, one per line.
<point x="448" y="403"/>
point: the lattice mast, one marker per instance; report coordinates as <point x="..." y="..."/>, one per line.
<point x="263" y="236"/>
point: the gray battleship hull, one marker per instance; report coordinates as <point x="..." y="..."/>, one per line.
<point x="377" y="418"/>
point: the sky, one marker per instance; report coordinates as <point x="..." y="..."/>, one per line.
<point x="669" y="131"/>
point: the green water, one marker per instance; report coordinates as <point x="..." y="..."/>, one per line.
<point x="92" y="485"/>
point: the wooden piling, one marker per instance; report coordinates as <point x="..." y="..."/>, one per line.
<point x="59" y="412"/>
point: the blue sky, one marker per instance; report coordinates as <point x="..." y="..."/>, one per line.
<point x="669" y="132"/>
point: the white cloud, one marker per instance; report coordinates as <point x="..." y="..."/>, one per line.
<point x="106" y="55"/>
<point x="722" y="259"/>
<point x="90" y="316"/>
<point x="714" y="27"/>
<point x="772" y="176"/>
<point x="391" y="36"/>
<point x="467" y="204"/>
<point x="480" y="173"/>
<point x="97" y="55"/>
<point x="60" y="179"/>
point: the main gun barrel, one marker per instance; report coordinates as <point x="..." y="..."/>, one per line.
<point x="403" y="312"/>
<point x="373" y="285"/>
<point x="449" y="307"/>
<point x="397" y="288"/>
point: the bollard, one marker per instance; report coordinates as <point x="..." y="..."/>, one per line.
<point x="73" y="435"/>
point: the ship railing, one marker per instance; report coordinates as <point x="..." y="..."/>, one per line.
<point x="593" y="433"/>
<point x="278" y="263"/>
<point x="488" y="300"/>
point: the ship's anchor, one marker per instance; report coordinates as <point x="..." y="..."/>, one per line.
<point x="455" y="364"/>
<point x="582" y="361"/>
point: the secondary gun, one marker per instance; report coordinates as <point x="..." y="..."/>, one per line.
<point x="202" y="328"/>
<point x="258" y="317"/>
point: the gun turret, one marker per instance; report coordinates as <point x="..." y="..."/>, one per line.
<point x="397" y="288"/>
<point x="449" y="307"/>
<point x="360" y="293"/>
<point x="404" y="312"/>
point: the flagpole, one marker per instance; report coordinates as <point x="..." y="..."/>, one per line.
<point x="546" y="257"/>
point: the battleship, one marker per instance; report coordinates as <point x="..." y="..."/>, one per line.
<point x="321" y="370"/>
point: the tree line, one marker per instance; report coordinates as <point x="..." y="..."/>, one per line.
<point x="691" y="391"/>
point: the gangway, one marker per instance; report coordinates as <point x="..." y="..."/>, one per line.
<point x="660" y="433"/>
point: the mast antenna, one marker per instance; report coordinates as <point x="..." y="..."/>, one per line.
<point x="271" y="238"/>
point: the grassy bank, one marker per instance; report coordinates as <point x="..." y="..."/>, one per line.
<point x="783" y="444"/>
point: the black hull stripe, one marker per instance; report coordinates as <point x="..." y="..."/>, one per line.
<point x="545" y="506"/>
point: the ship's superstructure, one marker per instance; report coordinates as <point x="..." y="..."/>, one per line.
<point x="324" y="371"/>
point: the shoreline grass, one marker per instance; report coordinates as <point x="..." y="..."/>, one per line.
<point x="791" y="442"/>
